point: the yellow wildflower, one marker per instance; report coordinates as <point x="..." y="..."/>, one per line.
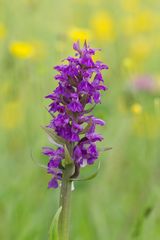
<point x="130" y="5"/>
<point x="103" y="26"/>
<point x="140" y="48"/>
<point x="22" y="50"/>
<point x="98" y="56"/>
<point x="142" y="22"/>
<point x="147" y="125"/>
<point x="79" y="34"/>
<point x="128" y="63"/>
<point x="136" y="108"/>
<point x="11" y="114"/>
<point x="2" y="31"/>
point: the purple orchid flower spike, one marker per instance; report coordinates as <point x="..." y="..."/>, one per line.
<point x="80" y="84"/>
<point x="73" y="126"/>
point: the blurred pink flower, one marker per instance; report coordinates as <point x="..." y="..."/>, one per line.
<point x="144" y="83"/>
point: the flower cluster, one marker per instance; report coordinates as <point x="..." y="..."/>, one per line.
<point x="79" y="84"/>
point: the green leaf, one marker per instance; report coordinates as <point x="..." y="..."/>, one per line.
<point x="90" y="109"/>
<point x="50" y="112"/>
<point x="53" y="231"/>
<point x="37" y="163"/>
<point x="53" y="135"/>
<point x="105" y="149"/>
<point x="93" y="175"/>
<point x="67" y="156"/>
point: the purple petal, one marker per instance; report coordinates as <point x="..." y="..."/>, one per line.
<point x="77" y="153"/>
<point x="75" y="107"/>
<point x="53" y="183"/>
<point x="94" y="137"/>
<point x="98" y="121"/>
<point x="74" y="137"/>
<point x="48" y="151"/>
<point x="97" y="97"/>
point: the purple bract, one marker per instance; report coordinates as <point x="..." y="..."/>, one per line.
<point x="79" y="85"/>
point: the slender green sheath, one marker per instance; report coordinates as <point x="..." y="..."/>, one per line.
<point x="65" y="202"/>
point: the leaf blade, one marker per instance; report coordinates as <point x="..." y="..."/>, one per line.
<point x="93" y="175"/>
<point x="53" y="230"/>
<point x="51" y="133"/>
<point x="67" y="156"/>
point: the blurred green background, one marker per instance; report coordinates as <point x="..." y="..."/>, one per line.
<point x="123" y="201"/>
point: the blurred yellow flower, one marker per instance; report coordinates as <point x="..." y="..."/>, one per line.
<point x="81" y="34"/>
<point x="22" y="50"/>
<point x="142" y="22"/>
<point x="140" y="48"/>
<point x="147" y="125"/>
<point x="145" y="21"/>
<point x="98" y="56"/>
<point x="136" y="108"/>
<point x="128" y="25"/>
<point x="103" y="26"/>
<point x="11" y="114"/>
<point x="2" y="31"/>
<point x="128" y="63"/>
<point x="130" y="5"/>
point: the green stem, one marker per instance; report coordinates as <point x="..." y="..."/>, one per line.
<point x="65" y="202"/>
